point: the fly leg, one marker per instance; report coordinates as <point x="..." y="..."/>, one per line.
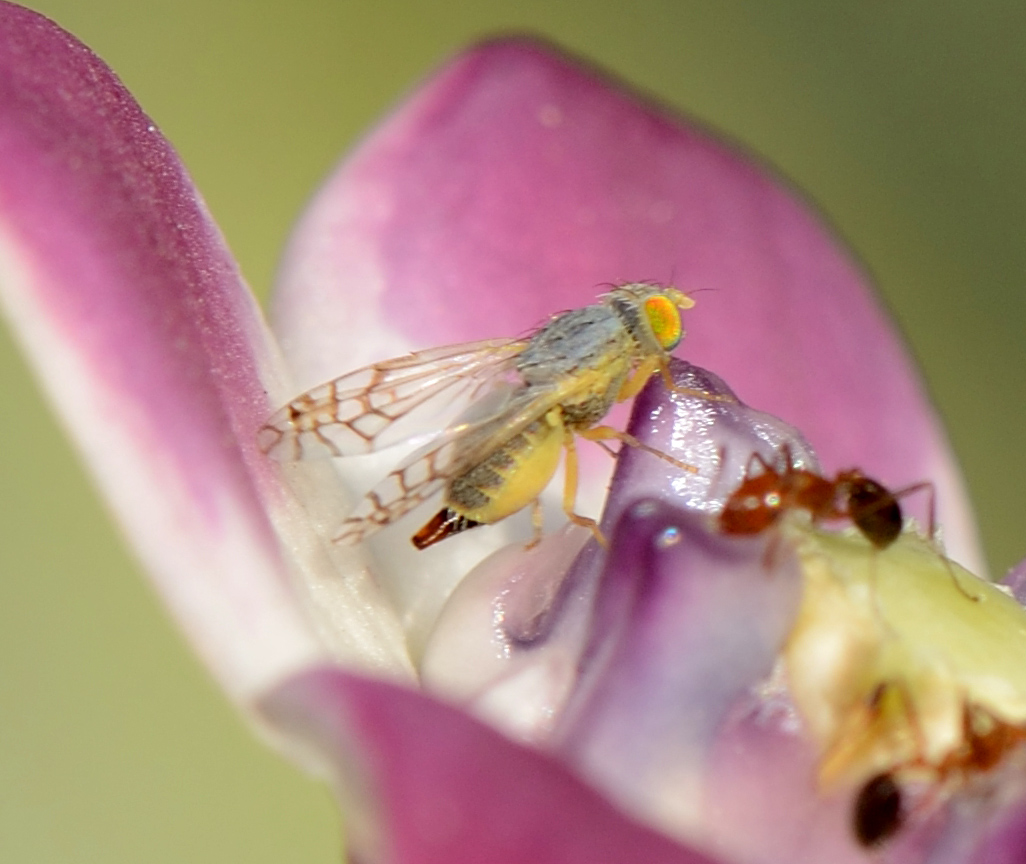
<point x="536" y="523"/>
<point x="570" y="491"/>
<point x="639" y="377"/>
<point x="674" y="387"/>
<point x="604" y="433"/>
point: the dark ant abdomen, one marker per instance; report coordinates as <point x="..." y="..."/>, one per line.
<point x="879" y="812"/>
<point x="875" y="511"/>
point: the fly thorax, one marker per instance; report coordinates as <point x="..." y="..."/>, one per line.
<point x="571" y="343"/>
<point x="590" y="409"/>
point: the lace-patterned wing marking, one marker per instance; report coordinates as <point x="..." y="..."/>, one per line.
<point x="405" y="488"/>
<point x="456" y="450"/>
<point x="387" y="402"/>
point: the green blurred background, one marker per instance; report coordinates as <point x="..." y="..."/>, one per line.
<point x="904" y="120"/>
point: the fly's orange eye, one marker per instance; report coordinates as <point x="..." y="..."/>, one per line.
<point x="664" y="319"/>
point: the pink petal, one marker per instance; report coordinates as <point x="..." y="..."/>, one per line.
<point x="996" y="836"/>
<point x="450" y="790"/>
<point x="518" y="182"/>
<point x="152" y="349"/>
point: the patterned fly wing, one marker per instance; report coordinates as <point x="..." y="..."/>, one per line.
<point x="387" y="402"/>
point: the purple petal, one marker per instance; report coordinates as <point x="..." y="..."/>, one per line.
<point x="1015" y="581"/>
<point x="151" y="347"/>
<point x="652" y="669"/>
<point x="996" y="834"/>
<point x="518" y="182"/>
<point x="668" y="659"/>
<point x="450" y="790"/>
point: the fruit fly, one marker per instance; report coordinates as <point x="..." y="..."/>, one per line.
<point x="527" y="400"/>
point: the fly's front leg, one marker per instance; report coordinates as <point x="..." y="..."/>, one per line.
<point x="604" y="433"/>
<point x="637" y="379"/>
<point x="674" y="387"/>
<point x="570" y="490"/>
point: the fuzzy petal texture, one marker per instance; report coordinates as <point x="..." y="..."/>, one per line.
<point x="452" y="790"/>
<point x="518" y="182"/>
<point x="152" y="349"/>
<point x="156" y="356"/>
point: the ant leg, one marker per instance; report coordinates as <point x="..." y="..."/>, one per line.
<point x="570" y="491"/>
<point x="757" y="457"/>
<point x="604" y="433"/>
<point x="920" y="487"/>
<point x="928" y="486"/>
<point x="874" y="594"/>
<point x="965" y="592"/>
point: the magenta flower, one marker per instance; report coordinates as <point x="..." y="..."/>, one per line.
<point x="597" y="708"/>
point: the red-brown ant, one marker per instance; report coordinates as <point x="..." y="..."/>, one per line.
<point x="762" y="499"/>
<point x="880" y="809"/>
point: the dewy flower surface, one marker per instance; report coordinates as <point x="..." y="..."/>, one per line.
<point x="643" y="708"/>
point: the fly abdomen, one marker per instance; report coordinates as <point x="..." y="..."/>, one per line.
<point x="445" y="523"/>
<point x="513" y="475"/>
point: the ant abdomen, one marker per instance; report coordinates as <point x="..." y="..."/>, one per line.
<point x="879" y="811"/>
<point x="874" y="510"/>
